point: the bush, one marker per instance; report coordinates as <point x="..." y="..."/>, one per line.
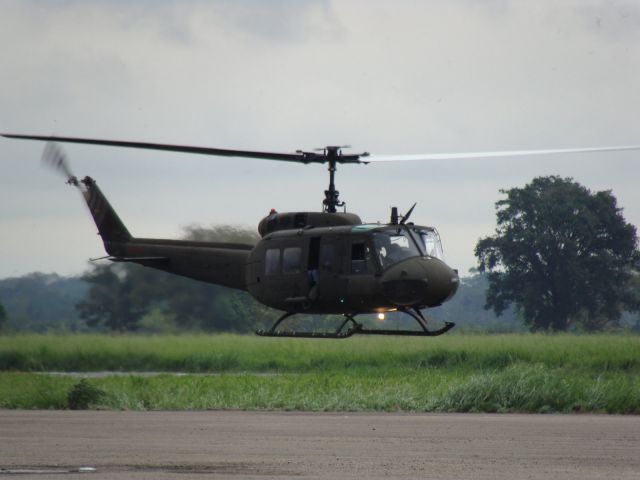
<point x="83" y="395"/>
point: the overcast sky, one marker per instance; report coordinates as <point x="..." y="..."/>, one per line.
<point x="383" y="76"/>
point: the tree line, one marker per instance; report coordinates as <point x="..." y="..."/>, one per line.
<point x="175" y="304"/>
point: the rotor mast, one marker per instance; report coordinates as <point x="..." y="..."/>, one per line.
<point x="331" y="196"/>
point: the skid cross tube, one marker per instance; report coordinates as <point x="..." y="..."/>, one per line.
<point x="338" y="333"/>
<point x="357" y="328"/>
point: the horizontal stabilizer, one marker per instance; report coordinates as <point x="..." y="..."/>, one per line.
<point x="142" y="260"/>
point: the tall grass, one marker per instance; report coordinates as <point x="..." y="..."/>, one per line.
<point x="457" y="373"/>
<point x="236" y="353"/>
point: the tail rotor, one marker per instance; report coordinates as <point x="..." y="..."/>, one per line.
<point x="110" y="227"/>
<point x="55" y="158"/>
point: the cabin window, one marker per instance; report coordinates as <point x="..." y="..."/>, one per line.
<point x="272" y="261"/>
<point x="292" y="260"/>
<point x="361" y="258"/>
<point x="327" y="257"/>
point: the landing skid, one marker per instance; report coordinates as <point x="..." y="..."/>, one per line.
<point x="357" y="328"/>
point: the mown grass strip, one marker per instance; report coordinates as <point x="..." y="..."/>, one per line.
<point x="237" y="353"/>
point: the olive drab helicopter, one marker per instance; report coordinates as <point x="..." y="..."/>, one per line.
<point x="326" y="262"/>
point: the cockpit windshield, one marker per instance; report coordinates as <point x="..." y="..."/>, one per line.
<point x="393" y="246"/>
<point x="430" y="242"/>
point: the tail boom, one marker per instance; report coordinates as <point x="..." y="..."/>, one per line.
<point x="212" y="262"/>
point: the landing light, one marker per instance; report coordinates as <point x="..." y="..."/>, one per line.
<point x="381" y="316"/>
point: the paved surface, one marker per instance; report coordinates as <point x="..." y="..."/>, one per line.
<point x="232" y="445"/>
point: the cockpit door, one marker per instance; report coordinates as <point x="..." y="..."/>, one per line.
<point x="332" y="285"/>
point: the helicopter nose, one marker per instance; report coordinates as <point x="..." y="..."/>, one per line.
<point x="419" y="281"/>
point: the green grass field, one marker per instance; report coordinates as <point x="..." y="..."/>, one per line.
<point x="452" y="373"/>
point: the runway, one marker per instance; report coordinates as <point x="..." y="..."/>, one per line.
<point x="255" y="445"/>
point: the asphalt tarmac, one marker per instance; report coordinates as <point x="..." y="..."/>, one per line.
<point x="255" y="445"/>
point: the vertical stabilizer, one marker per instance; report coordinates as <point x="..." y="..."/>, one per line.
<point x="109" y="224"/>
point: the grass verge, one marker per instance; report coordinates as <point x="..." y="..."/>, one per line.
<point x="515" y="389"/>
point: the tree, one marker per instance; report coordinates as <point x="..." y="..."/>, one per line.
<point x="110" y="300"/>
<point x="42" y="302"/>
<point x="221" y="233"/>
<point x="3" y="316"/>
<point x="562" y="254"/>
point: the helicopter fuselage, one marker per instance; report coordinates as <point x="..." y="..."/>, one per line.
<point x="354" y="268"/>
<point x="305" y="262"/>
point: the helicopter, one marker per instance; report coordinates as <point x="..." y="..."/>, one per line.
<point x="327" y="262"/>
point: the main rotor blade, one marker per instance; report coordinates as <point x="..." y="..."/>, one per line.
<point x="312" y="157"/>
<point x="505" y="153"/>
<point x="301" y="157"/>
